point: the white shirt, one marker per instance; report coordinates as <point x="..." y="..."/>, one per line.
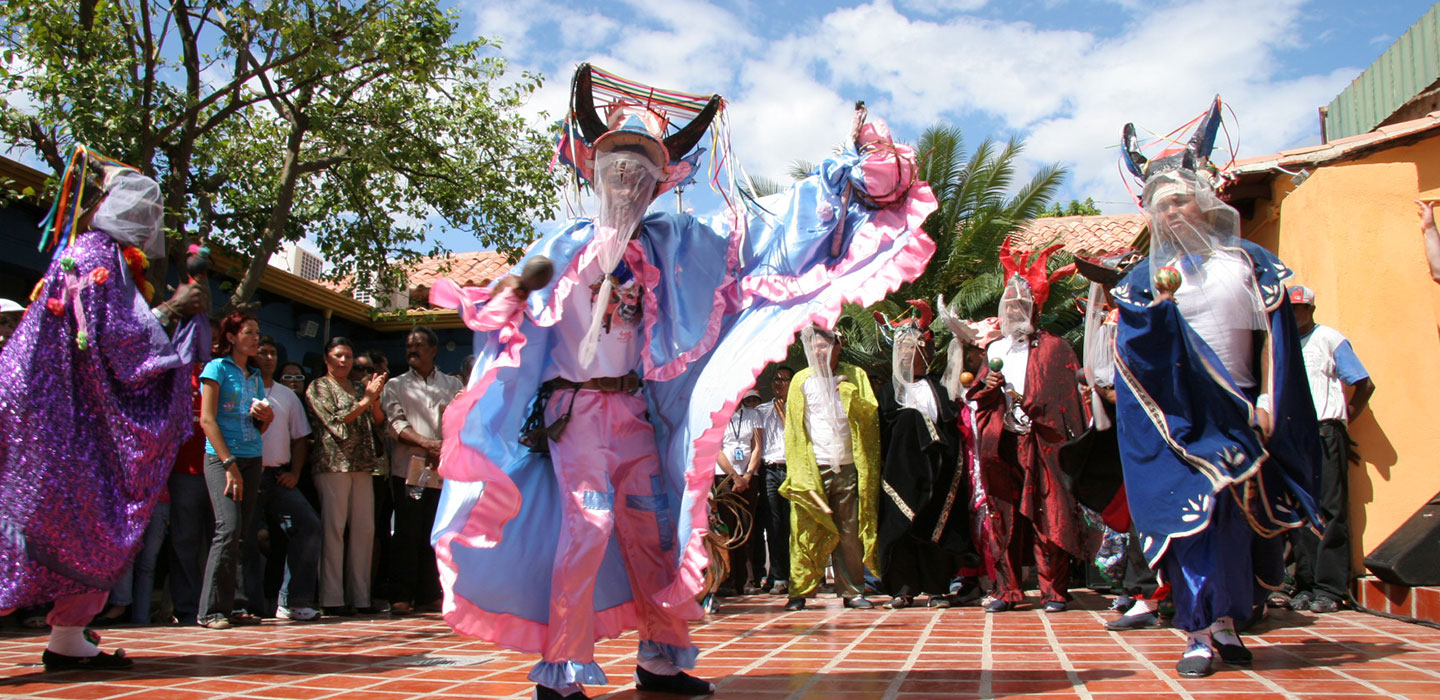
<point x="621" y="338"/>
<point x="416" y="402"/>
<point x="290" y="423"/>
<point x="772" y="445"/>
<point x="1330" y="364"/>
<point x="922" y="397"/>
<point x="1016" y="356"/>
<point x="829" y="433"/>
<point x="738" y="433"/>
<point x="1220" y="307"/>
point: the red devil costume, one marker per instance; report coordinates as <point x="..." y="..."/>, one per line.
<point x="924" y="535"/>
<point x="1028" y="406"/>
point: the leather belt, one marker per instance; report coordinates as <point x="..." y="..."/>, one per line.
<point x="628" y="384"/>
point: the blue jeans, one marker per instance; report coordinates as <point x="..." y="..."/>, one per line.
<point x="192" y="524"/>
<point x="232" y="523"/>
<point x="137" y="582"/>
<point x="283" y="510"/>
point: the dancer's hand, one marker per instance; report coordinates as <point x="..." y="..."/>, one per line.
<point x="994" y="378"/>
<point x="1427" y="215"/>
<point x="234" y="485"/>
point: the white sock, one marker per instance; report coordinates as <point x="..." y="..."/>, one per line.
<point x="1223" y="631"/>
<point x="1199" y="645"/>
<point x="659" y="666"/>
<point x="71" y="641"/>
<point x="1142" y="607"/>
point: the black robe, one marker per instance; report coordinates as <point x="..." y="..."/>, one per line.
<point x="923" y="537"/>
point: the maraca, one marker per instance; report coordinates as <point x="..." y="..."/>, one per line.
<point x="996" y="363"/>
<point x="967" y="378"/>
<point x="1167" y="280"/>
<point x="537" y="273"/>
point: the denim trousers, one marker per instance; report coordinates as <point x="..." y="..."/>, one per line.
<point x="137" y="582"/>
<point x="192" y="524"/>
<point x="232" y="522"/>
<point x="283" y="510"/>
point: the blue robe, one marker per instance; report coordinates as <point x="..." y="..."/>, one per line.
<point x="719" y="305"/>
<point x="1189" y="446"/>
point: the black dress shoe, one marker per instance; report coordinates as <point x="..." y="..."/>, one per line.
<point x="1198" y="666"/>
<point x="898" y="602"/>
<point x="1234" y="654"/>
<point x="795" y="604"/>
<point x="1301" y="601"/>
<point x="544" y="693"/>
<point x="1133" y="622"/>
<point x="681" y="683"/>
<point x="99" y="662"/>
<point x="858" y="603"/>
<point x="1056" y="606"/>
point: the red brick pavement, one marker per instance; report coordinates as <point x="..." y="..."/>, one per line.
<point x="755" y="650"/>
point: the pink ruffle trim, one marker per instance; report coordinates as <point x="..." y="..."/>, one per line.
<point x="883" y="228"/>
<point x="724" y="293"/>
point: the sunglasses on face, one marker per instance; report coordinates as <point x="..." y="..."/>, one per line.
<point x="292" y="377"/>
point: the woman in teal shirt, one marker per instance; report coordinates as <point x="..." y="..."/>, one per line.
<point x="233" y="414"/>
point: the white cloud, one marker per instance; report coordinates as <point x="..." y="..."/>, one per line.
<point x="1068" y="92"/>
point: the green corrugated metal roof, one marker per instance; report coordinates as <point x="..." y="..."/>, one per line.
<point x="1408" y="67"/>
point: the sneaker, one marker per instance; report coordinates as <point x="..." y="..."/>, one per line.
<point x="997" y="606"/>
<point x="1301" y="601"/>
<point x="969" y="592"/>
<point x="1324" y="604"/>
<point x="301" y="614"/>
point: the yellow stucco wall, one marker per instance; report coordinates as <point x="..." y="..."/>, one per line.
<point x="1351" y="233"/>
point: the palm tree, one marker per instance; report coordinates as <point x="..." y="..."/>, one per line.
<point x="976" y="213"/>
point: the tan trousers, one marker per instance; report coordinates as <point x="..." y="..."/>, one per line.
<point x="347" y="501"/>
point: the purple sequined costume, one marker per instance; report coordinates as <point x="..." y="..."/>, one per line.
<point x="87" y="436"/>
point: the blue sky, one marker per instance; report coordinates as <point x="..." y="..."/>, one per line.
<point x="1064" y="74"/>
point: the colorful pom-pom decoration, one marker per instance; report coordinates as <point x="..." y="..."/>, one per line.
<point x="100" y="275"/>
<point x="1167" y="279"/>
<point x="67" y="263"/>
<point x="56" y="306"/>
<point x="82" y="341"/>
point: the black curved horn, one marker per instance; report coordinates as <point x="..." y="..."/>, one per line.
<point x="1130" y="147"/>
<point x="582" y="105"/>
<point x="680" y="143"/>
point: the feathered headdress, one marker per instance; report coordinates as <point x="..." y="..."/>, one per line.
<point x="1032" y="270"/>
<point x="919" y="315"/>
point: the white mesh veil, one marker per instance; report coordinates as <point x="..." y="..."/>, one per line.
<point x="820" y="346"/>
<point x="902" y="364"/>
<point x="1017" y="306"/>
<point x="1194" y="232"/>
<point x="131" y="212"/>
<point x="1099" y="353"/>
<point x="624" y="185"/>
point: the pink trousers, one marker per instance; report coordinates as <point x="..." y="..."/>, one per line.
<point x="609" y="473"/>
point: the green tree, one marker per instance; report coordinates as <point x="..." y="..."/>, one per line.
<point x="354" y="122"/>
<point x="979" y="206"/>
<point x="1074" y="208"/>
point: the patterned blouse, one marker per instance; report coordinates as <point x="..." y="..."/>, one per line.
<point x="340" y="446"/>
